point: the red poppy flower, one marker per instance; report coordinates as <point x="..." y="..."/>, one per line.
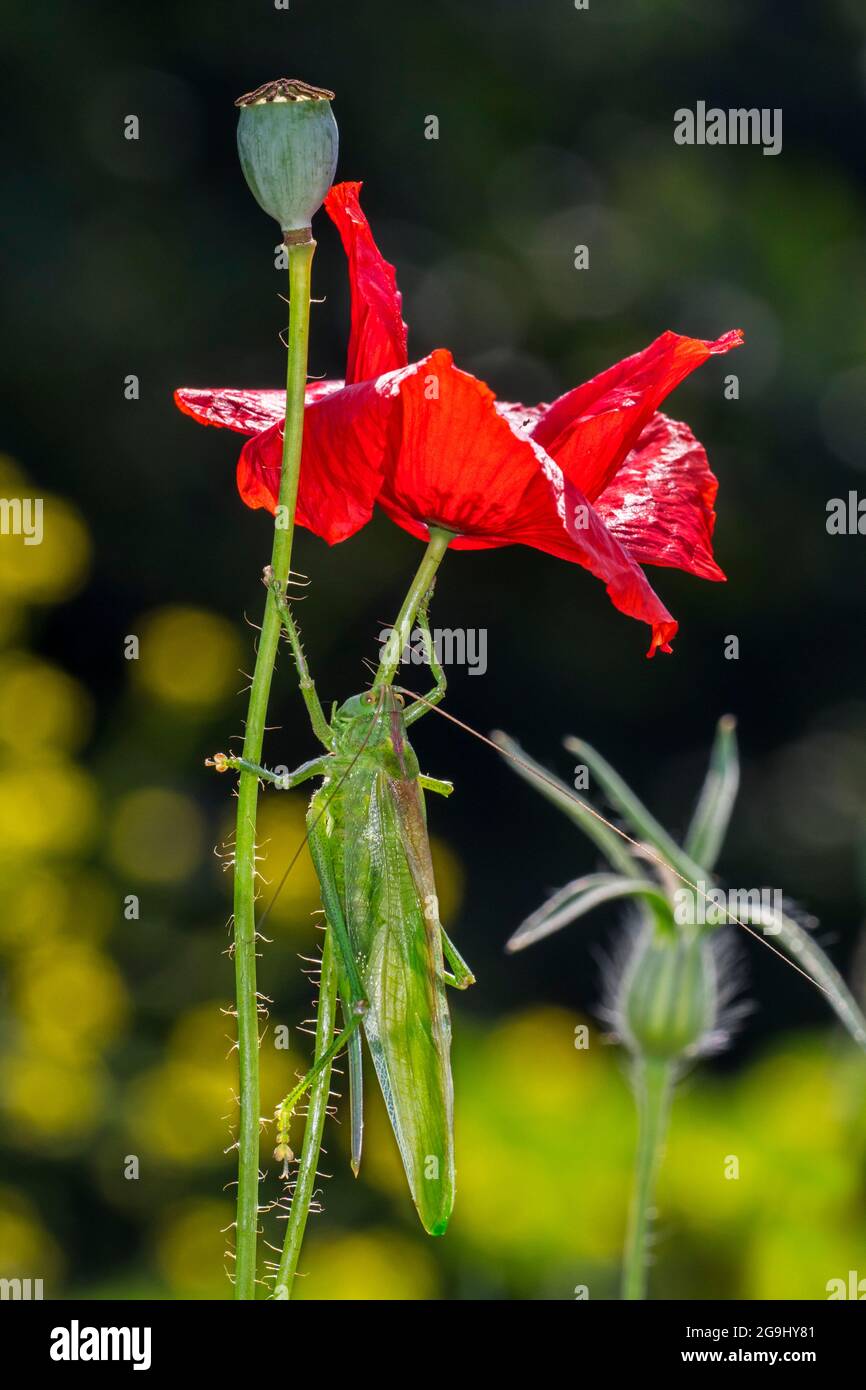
<point x="600" y="477"/>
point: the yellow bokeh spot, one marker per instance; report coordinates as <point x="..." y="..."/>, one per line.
<point x="157" y="835"/>
<point x="47" y="809"/>
<point x="188" y="656"/>
<point x="535" y="1114"/>
<point x="184" y="1110"/>
<point x="12" y="623"/>
<point x="47" y="902"/>
<point x="790" y="1097"/>
<point x="369" y="1265"/>
<point x="70" y="996"/>
<point x="28" y="1251"/>
<point x="797" y="1261"/>
<point x="56" y="567"/>
<point x="50" y="1101"/>
<point x="538" y="1065"/>
<point x="180" y="1113"/>
<point x="40" y="705"/>
<point x="191" y="1250"/>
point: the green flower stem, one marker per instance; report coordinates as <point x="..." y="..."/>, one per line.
<point x="300" y="262"/>
<point x="318" y="1107"/>
<point x="440" y="539"/>
<point x="653" y="1086"/>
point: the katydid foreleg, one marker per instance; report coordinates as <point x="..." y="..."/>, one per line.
<point x="316" y="767"/>
<point x="414" y="711"/>
<point x="321" y="727"/>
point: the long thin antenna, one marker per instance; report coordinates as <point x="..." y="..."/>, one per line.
<point x="644" y="849"/>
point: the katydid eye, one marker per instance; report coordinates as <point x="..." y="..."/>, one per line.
<point x="368" y="698"/>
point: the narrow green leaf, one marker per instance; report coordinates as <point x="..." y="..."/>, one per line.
<point x="802" y="947"/>
<point x="614" y="849"/>
<point x="578" y="898"/>
<point x="642" y="823"/>
<point x="712" y="814"/>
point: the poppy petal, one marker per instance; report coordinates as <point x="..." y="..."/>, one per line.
<point x="591" y="430"/>
<point x="454" y="460"/>
<point x="345" y="435"/>
<point x="248" y="412"/>
<point x="457" y="461"/>
<point x="660" y="504"/>
<point x="377" y="339"/>
<point x="578" y="533"/>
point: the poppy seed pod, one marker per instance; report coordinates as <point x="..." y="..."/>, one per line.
<point x="287" y="143"/>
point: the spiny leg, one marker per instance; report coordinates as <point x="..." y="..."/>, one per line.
<point x="321" y="727"/>
<point x="356" y="1077"/>
<point x="356" y="1095"/>
<point x="463" y="976"/>
<point x="316" y="767"/>
<point x="354" y="1004"/>
<point x="351" y="1015"/>
<point x="435" y="784"/>
<point x="286" y="1108"/>
<point x="414" y="711"/>
<point x="321" y="854"/>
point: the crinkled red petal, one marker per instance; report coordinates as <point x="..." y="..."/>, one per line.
<point x="345" y="435"/>
<point x="455" y="461"/>
<point x="591" y="430"/>
<point x="660" y="504"/>
<point x="248" y="412"/>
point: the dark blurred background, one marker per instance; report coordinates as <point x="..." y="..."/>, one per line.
<point x="150" y="257"/>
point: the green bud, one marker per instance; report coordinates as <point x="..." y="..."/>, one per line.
<point x="287" y="142"/>
<point x="668" y="998"/>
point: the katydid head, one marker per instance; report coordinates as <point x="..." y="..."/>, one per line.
<point x="369" y="705"/>
<point x="373" y="721"/>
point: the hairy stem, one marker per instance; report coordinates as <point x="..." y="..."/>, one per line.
<point x="300" y="262"/>
<point x="318" y="1106"/>
<point x="438" y="543"/>
<point x="653" y="1085"/>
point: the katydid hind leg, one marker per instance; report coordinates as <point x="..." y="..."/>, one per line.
<point x="356" y="1095"/>
<point x="354" y="1002"/>
<point x="320" y="852"/>
<point x="355" y="1062"/>
<point x="287" y="1106"/>
<point x="462" y="977"/>
<point x="440" y="785"/>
